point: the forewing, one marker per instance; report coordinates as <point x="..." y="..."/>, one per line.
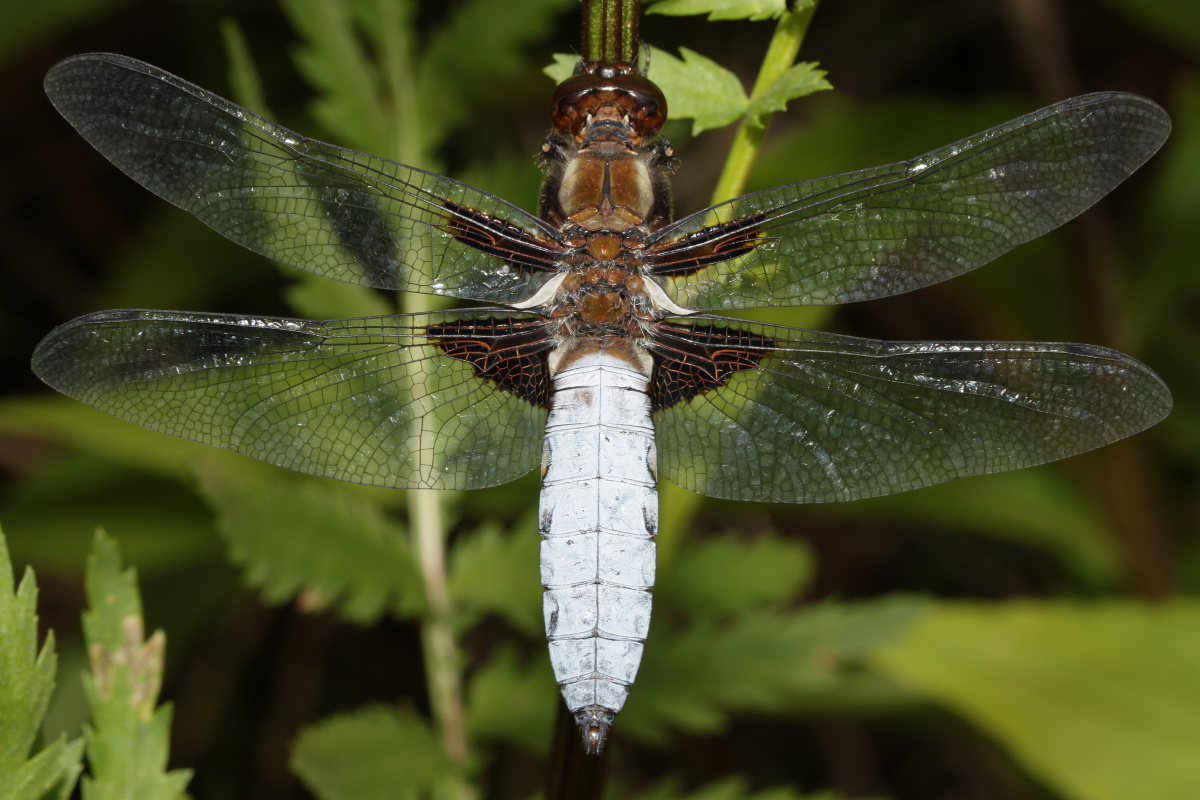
<point x="313" y="206"/>
<point x="375" y="401"/>
<point x="883" y="231"/>
<point x="823" y="417"/>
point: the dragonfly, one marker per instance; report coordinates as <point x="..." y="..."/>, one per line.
<point x="597" y="351"/>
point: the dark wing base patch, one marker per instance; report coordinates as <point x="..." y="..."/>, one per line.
<point x="510" y="354"/>
<point x="692" y="359"/>
<point x="499" y="237"/>
<point x="711" y="245"/>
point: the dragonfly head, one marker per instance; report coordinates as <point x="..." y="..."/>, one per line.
<point x="609" y="92"/>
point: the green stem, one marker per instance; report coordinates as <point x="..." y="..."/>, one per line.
<point x="396" y="60"/>
<point x="781" y="54"/>
<point x="425" y="505"/>
<point x="441" y="651"/>
<point x="427" y="529"/>
<point x="610" y="30"/>
<point x="437" y="633"/>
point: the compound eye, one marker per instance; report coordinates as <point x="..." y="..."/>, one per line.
<point x="572" y="101"/>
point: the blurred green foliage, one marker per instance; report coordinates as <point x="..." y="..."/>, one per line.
<point x="1086" y="690"/>
<point x="26" y="683"/>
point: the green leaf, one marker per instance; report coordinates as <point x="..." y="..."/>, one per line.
<point x="26" y="685"/>
<point x="371" y="754"/>
<point x="562" y="67"/>
<point x="310" y="295"/>
<point x="201" y="266"/>
<point x="800" y="80"/>
<point x="1037" y="507"/>
<point x="294" y="534"/>
<point x="244" y="80"/>
<point x="724" y="9"/>
<point x="515" y="177"/>
<point x="334" y="61"/>
<point x="53" y="511"/>
<point x="1101" y="702"/>
<point x="128" y="739"/>
<point x="491" y="572"/>
<point x="451" y="78"/>
<point x="771" y="661"/>
<point x="315" y="297"/>
<point x="732" y="788"/>
<point x="697" y="88"/>
<point x="71" y="423"/>
<point x="513" y="701"/>
<point x="725" y="575"/>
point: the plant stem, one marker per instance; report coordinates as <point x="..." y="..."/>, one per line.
<point x="781" y="54"/>
<point x="610" y="30"/>
<point x="425" y="505"/>
<point x="441" y="653"/>
<point x="437" y="632"/>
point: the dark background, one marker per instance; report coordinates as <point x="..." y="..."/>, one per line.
<point x="77" y="236"/>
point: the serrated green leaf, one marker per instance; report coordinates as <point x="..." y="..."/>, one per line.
<point x="800" y="80"/>
<point x="49" y="775"/>
<point x="350" y="101"/>
<point x="244" y="81"/>
<point x="371" y="754"/>
<point x="697" y="88"/>
<point x="725" y="575"/>
<point x="128" y="740"/>
<point x="492" y="572"/>
<point x="451" y="77"/>
<point x="311" y="296"/>
<point x="562" y="67"/>
<point x="513" y="701"/>
<point x="293" y="534"/>
<point x="723" y="9"/>
<point x="1101" y="702"/>
<point x="26" y="685"/>
<point x="514" y="176"/>
<point x="695" y="679"/>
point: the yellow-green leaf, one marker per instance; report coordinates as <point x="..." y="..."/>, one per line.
<point x="1101" y="702"/>
<point x="723" y="9"/>
<point x="800" y="80"/>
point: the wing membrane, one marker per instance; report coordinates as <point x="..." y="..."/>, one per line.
<point x="826" y="417"/>
<point x="319" y="208"/>
<point x="372" y="401"/>
<point x="891" y="229"/>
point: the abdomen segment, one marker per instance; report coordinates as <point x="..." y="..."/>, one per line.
<point x="599" y="516"/>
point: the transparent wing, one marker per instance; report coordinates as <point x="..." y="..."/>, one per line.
<point x="891" y="229"/>
<point x="374" y="401"/>
<point x="825" y="417"/>
<point x="313" y="206"/>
